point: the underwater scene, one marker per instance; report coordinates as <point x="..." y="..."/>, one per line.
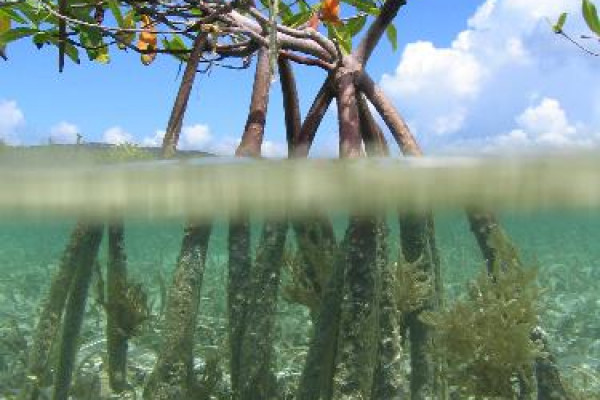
<point x="381" y="280"/>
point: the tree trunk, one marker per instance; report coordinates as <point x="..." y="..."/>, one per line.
<point x="171" y="138"/>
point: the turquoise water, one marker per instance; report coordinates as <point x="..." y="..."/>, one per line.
<point x="562" y="243"/>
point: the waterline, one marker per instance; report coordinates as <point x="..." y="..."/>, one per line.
<point x="223" y="187"/>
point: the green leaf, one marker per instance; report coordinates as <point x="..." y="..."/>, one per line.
<point x="4" y="27"/>
<point x="70" y="50"/>
<point x="127" y="37"/>
<point x="355" y="25"/>
<point x="16" y="34"/>
<point x="4" y="23"/>
<point x="41" y="38"/>
<point x="176" y="43"/>
<point x="116" y="11"/>
<point x="558" y="27"/>
<point x="12" y="15"/>
<point x="103" y="57"/>
<point x="35" y="15"/>
<point x="392" y="36"/>
<point x="591" y="16"/>
<point x="303" y="7"/>
<point x="298" y="19"/>
<point x="342" y="37"/>
<point x="368" y="6"/>
<point x="91" y="38"/>
<point x="284" y="10"/>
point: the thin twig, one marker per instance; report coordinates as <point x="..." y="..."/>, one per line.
<point x="297" y="58"/>
<point x="576" y="43"/>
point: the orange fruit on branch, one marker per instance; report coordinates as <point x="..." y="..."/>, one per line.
<point x="330" y="12"/>
<point x="147" y="40"/>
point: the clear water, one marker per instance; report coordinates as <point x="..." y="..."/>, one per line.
<point x="549" y="207"/>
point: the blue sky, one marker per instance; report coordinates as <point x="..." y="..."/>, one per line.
<point x="469" y="75"/>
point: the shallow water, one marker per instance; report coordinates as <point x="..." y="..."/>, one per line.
<point x="550" y="208"/>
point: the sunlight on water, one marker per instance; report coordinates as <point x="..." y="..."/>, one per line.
<point x="211" y="186"/>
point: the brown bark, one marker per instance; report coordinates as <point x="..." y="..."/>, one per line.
<point x="313" y="119"/>
<point x="254" y="130"/>
<point x="350" y="139"/>
<point x="291" y="108"/>
<point x="369" y="42"/>
<point x="315" y="236"/>
<point x="239" y="238"/>
<point x="390" y="115"/>
<point x="372" y="135"/>
<point x="171" y="138"/>
<point x="304" y="44"/>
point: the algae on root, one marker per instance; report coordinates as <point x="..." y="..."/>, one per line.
<point x="311" y="265"/>
<point x="417" y="239"/>
<point x="84" y="258"/>
<point x="172" y="377"/>
<point x="486" y="337"/>
<point x="358" y="336"/>
<point x="257" y="380"/>
<point x="81" y="244"/>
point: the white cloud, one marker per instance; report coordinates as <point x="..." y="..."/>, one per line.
<point x="425" y="68"/>
<point x="200" y="137"/>
<point x="154" y="141"/>
<point x="274" y="149"/>
<point x="428" y="78"/>
<point x="488" y="75"/>
<point x="194" y="137"/>
<point x="225" y="146"/>
<point x="11" y="119"/>
<point x="64" y="132"/>
<point x="547" y="118"/>
<point x="117" y="135"/>
<point x="543" y="126"/>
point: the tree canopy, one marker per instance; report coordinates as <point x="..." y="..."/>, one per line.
<point x="234" y="29"/>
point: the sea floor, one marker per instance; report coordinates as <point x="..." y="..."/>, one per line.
<point x="564" y="246"/>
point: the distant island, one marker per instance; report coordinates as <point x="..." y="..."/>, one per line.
<point x="89" y="151"/>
